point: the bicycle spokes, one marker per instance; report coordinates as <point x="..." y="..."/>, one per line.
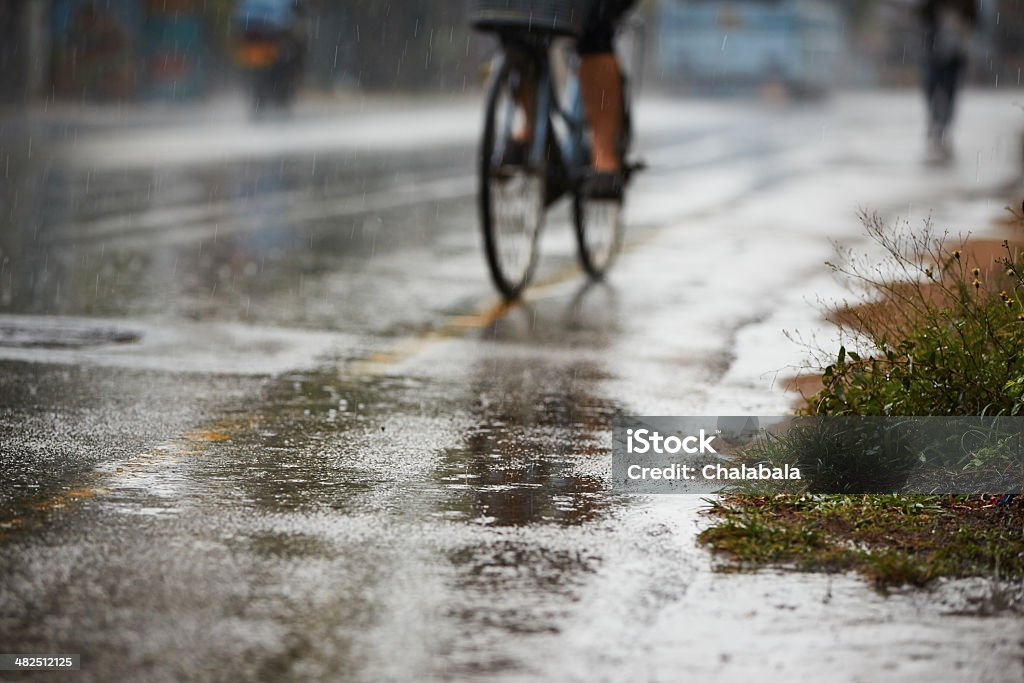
<point x="518" y="208"/>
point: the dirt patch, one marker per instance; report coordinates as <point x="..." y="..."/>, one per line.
<point x="984" y="256"/>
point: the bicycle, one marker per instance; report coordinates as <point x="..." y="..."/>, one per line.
<point x="515" y="194"/>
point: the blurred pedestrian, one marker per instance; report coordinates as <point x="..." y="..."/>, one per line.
<point x="948" y="26"/>
<point x="274" y="40"/>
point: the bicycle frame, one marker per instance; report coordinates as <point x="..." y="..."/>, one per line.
<point x="568" y="166"/>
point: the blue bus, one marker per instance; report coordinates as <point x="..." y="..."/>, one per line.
<point x="726" y="45"/>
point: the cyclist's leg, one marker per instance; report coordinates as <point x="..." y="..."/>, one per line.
<point x="526" y="102"/>
<point x="526" y="95"/>
<point x="601" y="82"/>
<point x="601" y="88"/>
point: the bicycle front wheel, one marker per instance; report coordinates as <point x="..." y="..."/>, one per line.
<point x="511" y="194"/>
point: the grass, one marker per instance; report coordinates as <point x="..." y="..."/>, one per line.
<point x="932" y="330"/>
<point x="890" y="539"/>
<point x="938" y="330"/>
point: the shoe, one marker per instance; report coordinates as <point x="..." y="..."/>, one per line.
<point x="604" y="185"/>
<point x="516" y="153"/>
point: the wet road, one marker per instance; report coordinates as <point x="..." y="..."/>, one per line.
<point x="262" y="417"/>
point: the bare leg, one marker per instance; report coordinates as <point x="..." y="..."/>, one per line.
<point x="526" y="98"/>
<point x="601" y="88"/>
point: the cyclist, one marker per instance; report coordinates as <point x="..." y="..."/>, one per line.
<point x="601" y="91"/>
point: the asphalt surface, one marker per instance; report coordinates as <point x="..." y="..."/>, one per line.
<point x="262" y="417"/>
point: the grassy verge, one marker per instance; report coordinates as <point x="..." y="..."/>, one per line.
<point x="933" y="327"/>
<point x="932" y="330"/>
<point x="892" y="540"/>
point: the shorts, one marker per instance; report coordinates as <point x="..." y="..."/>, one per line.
<point x="599" y="27"/>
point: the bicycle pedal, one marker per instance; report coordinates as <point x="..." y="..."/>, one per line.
<point x="636" y="165"/>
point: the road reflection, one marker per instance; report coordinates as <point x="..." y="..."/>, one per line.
<point x="536" y="451"/>
<point x="247" y="239"/>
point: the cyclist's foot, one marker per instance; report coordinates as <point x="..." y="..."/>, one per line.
<point x="604" y="185"/>
<point x="516" y="153"/>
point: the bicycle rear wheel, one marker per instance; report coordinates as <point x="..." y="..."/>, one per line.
<point x="511" y="193"/>
<point x="599" y="233"/>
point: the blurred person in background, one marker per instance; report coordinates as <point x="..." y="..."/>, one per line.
<point x="273" y="43"/>
<point x="949" y="27"/>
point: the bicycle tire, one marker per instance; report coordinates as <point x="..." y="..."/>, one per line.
<point x="509" y="284"/>
<point x="597" y="258"/>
